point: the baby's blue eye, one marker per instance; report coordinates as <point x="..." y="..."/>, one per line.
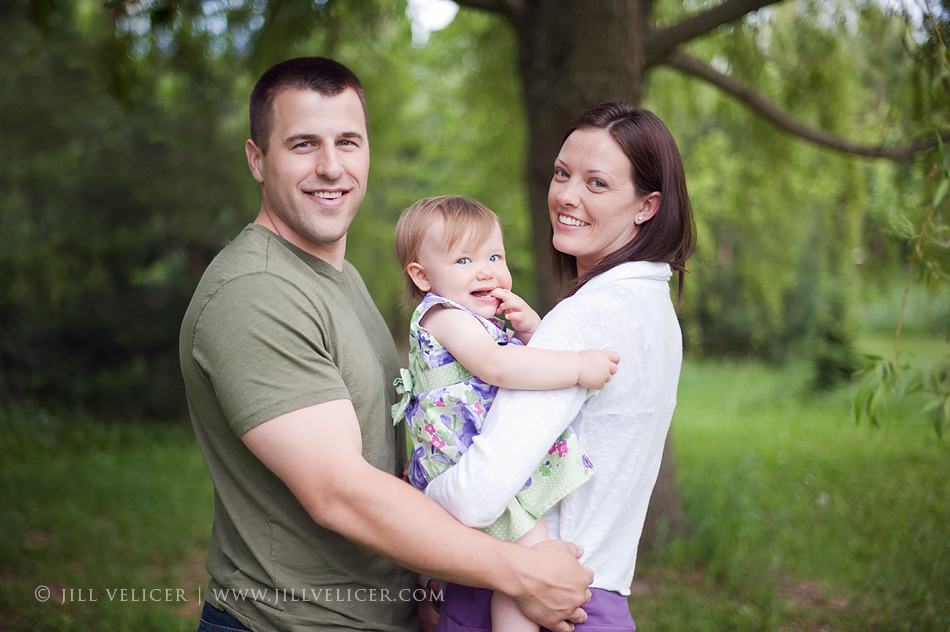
<point x="494" y="258"/>
<point x="464" y="260"/>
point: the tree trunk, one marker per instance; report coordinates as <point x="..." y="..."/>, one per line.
<point x="575" y="55"/>
<point x="665" y="513"/>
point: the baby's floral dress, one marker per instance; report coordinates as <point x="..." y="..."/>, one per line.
<point x="444" y="406"/>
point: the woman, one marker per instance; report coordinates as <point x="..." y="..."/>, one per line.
<point x="621" y="221"/>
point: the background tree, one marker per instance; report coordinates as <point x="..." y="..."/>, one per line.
<point x="125" y="125"/>
<point x="574" y="55"/>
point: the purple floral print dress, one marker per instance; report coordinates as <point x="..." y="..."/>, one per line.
<point x="444" y="406"/>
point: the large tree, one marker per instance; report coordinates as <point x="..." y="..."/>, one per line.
<point x="574" y="55"/>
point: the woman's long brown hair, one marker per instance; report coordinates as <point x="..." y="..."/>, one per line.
<point x="670" y="235"/>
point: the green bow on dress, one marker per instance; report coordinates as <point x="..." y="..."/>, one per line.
<point x="403" y="385"/>
<point x="408" y="386"/>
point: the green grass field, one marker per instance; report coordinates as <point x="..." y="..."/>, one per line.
<point x="800" y="520"/>
<point x="89" y="508"/>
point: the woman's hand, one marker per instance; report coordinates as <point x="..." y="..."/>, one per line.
<point x="597" y="365"/>
<point x="524" y="320"/>
<point x="426" y="608"/>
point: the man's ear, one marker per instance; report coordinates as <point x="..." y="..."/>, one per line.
<point x="418" y="275"/>
<point x="254" y="159"/>
<point x="651" y="204"/>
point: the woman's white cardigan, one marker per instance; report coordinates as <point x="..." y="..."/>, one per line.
<point x="621" y="428"/>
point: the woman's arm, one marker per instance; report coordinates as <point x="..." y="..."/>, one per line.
<point x="520" y="428"/>
<point x="515" y="366"/>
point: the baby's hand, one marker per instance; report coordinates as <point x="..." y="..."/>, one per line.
<point x="523" y="319"/>
<point x="597" y="366"/>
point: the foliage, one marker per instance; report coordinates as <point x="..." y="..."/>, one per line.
<point x="926" y="232"/>
<point x="789" y="232"/>
<point x="834" y="359"/>
<point x="99" y="204"/>
<point x="107" y="229"/>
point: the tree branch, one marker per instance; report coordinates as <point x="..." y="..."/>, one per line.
<point x="510" y="8"/>
<point x="772" y="113"/>
<point x="659" y="43"/>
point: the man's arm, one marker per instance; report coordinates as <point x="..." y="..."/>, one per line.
<point x="316" y="452"/>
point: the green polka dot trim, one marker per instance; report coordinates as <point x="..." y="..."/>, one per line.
<point x="440" y="377"/>
<point x="527" y="507"/>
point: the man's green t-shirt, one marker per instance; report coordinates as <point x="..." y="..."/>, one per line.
<point x="272" y="329"/>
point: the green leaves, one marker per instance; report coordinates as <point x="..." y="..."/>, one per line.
<point x="938" y="406"/>
<point x="941" y="192"/>
<point x="881" y="379"/>
<point x="885" y="380"/>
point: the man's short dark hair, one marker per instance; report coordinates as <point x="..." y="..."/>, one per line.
<point x="322" y="75"/>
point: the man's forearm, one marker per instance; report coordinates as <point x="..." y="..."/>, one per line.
<point x="344" y="493"/>
<point x="402" y="524"/>
<point x="392" y="518"/>
<point x="316" y="452"/>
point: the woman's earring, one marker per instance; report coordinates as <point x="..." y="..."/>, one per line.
<point x="640" y="218"/>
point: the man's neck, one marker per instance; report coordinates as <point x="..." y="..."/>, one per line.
<point x="331" y="253"/>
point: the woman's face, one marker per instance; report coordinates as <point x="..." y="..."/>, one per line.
<point x="594" y="207"/>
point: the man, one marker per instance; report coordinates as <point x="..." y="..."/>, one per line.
<point x="288" y="368"/>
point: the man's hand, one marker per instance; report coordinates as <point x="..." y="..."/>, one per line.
<point x="596" y="367"/>
<point x="554" y="585"/>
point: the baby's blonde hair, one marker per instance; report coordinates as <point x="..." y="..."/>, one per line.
<point x="462" y="217"/>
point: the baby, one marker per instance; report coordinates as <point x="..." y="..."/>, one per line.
<point x="453" y="257"/>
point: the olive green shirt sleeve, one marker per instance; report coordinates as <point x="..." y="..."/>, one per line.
<point x="259" y="343"/>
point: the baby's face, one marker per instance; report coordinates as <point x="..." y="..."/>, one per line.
<point x="468" y="272"/>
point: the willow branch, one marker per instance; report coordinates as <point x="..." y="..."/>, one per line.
<point x="659" y="43"/>
<point x="509" y="8"/>
<point x="775" y="115"/>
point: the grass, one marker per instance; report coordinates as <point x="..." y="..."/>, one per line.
<point x="90" y="507"/>
<point x="800" y="519"/>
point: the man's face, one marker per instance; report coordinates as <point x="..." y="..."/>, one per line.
<point x="316" y="167"/>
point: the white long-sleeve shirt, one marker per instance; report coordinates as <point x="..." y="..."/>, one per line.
<point x="621" y="428"/>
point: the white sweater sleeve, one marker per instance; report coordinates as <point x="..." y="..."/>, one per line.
<point x="520" y="429"/>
